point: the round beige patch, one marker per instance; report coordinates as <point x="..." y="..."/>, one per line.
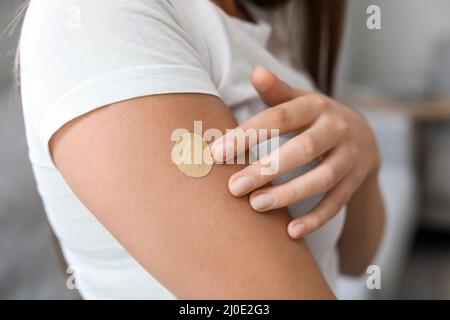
<point x="192" y="155"/>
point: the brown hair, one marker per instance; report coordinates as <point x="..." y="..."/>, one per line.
<point x="323" y="27"/>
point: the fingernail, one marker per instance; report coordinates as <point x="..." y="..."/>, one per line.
<point x="298" y="230"/>
<point x="242" y="185"/>
<point x="262" y="201"/>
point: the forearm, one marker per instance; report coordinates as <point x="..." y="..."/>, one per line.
<point x="363" y="227"/>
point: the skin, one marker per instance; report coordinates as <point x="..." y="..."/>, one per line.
<point x="191" y="234"/>
<point x="116" y="159"/>
<point x="347" y="172"/>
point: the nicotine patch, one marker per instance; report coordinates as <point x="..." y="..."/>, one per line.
<point x="192" y="155"/>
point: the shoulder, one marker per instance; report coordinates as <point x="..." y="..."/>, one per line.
<point x="85" y="19"/>
<point x="62" y="9"/>
<point x="93" y="36"/>
<point x="78" y="55"/>
<point x="56" y="17"/>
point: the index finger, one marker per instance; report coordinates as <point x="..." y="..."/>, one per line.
<point x="287" y="117"/>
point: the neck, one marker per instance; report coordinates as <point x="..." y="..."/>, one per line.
<point x="233" y="8"/>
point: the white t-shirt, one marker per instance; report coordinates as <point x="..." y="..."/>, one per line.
<point x="78" y="55"/>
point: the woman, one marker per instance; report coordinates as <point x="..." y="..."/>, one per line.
<point x="106" y="82"/>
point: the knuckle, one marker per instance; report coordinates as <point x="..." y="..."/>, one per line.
<point x="329" y="176"/>
<point x="335" y="206"/>
<point x="342" y="128"/>
<point x="285" y="196"/>
<point x="279" y="117"/>
<point x="255" y="170"/>
<point x="320" y="101"/>
<point x="308" y="146"/>
<point x="299" y="100"/>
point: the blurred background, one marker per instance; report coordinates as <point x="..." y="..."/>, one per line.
<point x="399" y="77"/>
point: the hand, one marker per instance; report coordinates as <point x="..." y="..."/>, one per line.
<point x="336" y="134"/>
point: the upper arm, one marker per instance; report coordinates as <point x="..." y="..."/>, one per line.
<point x="191" y="234"/>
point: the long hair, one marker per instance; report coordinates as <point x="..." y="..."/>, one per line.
<point x="9" y="30"/>
<point x="320" y="40"/>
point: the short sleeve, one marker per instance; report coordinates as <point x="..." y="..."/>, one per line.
<point x="78" y="55"/>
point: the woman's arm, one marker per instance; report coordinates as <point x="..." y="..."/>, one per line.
<point x="191" y="234"/>
<point x="363" y="227"/>
<point x="346" y="174"/>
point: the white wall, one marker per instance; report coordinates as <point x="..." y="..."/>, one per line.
<point x="398" y="57"/>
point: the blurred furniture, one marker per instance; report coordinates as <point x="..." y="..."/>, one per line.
<point x="407" y="135"/>
<point x="431" y="130"/>
<point x="395" y="132"/>
<point x="409" y="62"/>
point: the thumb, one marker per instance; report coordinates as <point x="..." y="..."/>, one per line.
<point x="271" y="89"/>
